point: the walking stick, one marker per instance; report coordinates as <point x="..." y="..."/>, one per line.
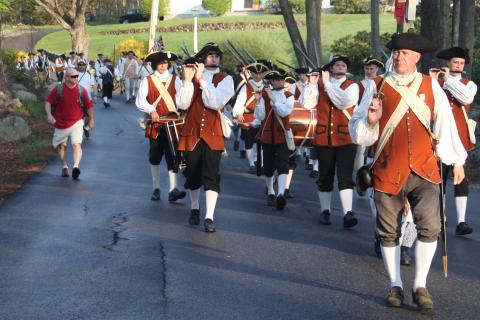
<point x="443" y="233"/>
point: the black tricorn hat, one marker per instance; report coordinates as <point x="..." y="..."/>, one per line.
<point x="268" y="63"/>
<point x="335" y="58"/>
<point x="276" y="74"/>
<point x="63" y="56"/>
<point x="411" y="41"/>
<point x="290" y="79"/>
<point x="72" y="52"/>
<point x="371" y="60"/>
<point x="301" y="70"/>
<point x="210" y="47"/>
<point x="257" y="67"/>
<point x="454" y="52"/>
<point x="159" y="56"/>
<point x="40" y="50"/>
<point x="133" y="53"/>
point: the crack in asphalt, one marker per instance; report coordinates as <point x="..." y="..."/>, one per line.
<point x="119" y="132"/>
<point x="118" y="227"/>
<point x="164" y="273"/>
<point x="85" y="209"/>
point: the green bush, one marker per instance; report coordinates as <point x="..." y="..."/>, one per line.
<point x="9" y="59"/>
<point x="260" y="48"/>
<point x="146" y="7"/>
<point x="272" y="6"/>
<point x="355" y="6"/>
<point x="217" y="7"/>
<point x="357" y="47"/>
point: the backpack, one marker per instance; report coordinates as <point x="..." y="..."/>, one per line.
<point x="81" y="99"/>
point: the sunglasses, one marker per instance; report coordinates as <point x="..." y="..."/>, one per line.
<point x="74" y="76"/>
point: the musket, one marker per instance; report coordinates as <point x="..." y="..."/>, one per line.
<point x="185" y="49"/>
<point x="245" y="61"/>
<point x="286" y="65"/>
<point x="258" y="165"/>
<point x="443" y="220"/>
<point x="379" y="95"/>
<point x="383" y="52"/>
<point x="250" y="55"/>
<point x="317" y="56"/>
<point x="234" y="54"/>
<point x="305" y="56"/>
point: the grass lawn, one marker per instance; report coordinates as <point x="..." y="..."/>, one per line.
<point x="275" y="42"/>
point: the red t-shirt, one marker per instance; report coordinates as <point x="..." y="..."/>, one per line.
<point x="68" y="109"/>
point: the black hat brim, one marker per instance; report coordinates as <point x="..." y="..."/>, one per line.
<point x="326" y="67"/>
<point x="160" y="56"/>
<point x="208" y="49"/>
<point x="411" y="41"/>
<point x="454" y="52"/>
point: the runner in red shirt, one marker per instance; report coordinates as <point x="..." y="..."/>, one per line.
<point x="68" y="120"/>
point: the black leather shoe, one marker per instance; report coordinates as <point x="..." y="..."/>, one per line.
<point x="405" y="259"/>
<point x="209" y="225"/>
<point x="313" y="174"/>
<point x="325" y="218"/>
<point x="395" y="297"/>
<point x="422" y="299"/>
<point x="271" y="200"/>
<point x="194" y="218"/>
<point x="462" y="229"/>
<point x="155" y="195"/>
<point x="309" y="166"/>
<point x="236" y="145"/>
<point x="75" y="173"/>
<point x="349" y="220"/>
<point x="175" y="195"/>
<point x="287" y="194"/>
<point x="105" y="104"/>
<point x="65" y="173"/>
<point x="252" y="170"/>
<point x="280" y="202"/>
<point x="243" y="154"/>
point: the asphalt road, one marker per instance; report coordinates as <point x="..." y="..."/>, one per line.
<point x="100" y="249"/>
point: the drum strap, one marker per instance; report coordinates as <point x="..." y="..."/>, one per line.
<point x="164" y="94"/>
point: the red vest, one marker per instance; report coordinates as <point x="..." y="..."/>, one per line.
<point x="250" y="108"/>
<point x="202" y="122"/>
<point x="332" y="123"/>
<point x="271" y="131"/>
<point x="409" y="148"/>
<point x="153" y="94"/>
<point x="462" y="125"/>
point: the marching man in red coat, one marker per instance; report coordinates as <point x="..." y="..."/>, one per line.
<point x="274" y="106"/>
<point x="334" y="97"/>
<point x="202" y="139"/>
<point x="410" y="127"/>
<point x="460" y="93"/>
<point x="157" y="97"/>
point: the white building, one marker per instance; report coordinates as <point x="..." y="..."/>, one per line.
<point x="187" y="7"/>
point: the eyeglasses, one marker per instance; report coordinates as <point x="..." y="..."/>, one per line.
<point x="74" y="76"/>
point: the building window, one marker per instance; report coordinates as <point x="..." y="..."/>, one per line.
<point x="248" y="4"/>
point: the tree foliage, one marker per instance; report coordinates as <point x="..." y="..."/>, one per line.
<point x="217" y="7"/>
<point x="273" y="6"/>
<point x="146" y="7"/>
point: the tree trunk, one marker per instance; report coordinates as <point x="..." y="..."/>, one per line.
<point x="80" y="39"/>
<point x="466" y="37"/>
<point x="293" y="31"/>
<point x="435" y="16"/>
<point x="455" y="21"/>
<point x="319" y="31"/>
<point x="375" y="27"/>
<point x="313" y="30"/>
<point x="72" y="19"/>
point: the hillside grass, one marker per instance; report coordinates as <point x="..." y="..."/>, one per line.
<point x="334" y="26"/>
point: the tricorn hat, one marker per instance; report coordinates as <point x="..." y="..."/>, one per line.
<point x="159" y="56"/>
<point x="335" y="58"/>
<point x="301" y="70"/>
<point x="454" y="52"/>
<point x="276" y="74"/>
<point x="411" y="41"/>
<point x="257" y="67"/>
<point x="210" y="47"/>
<point x="371" y="60"/>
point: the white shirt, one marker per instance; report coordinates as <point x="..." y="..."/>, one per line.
<point x="282" y="106"/>
<point x="86" y="80"/>
<point x="450" y="148"/>
<point x="98" y="65"/>
<point x="239" y="106"/>
<point x="464" y="93"/>
<point x="341" y="99"/>
<point x="120" y="65"/>
<point x="213" y="97"/>
<point x="183" y="96"/>
<point x="71" y="63"/>
<point x="59" y="63"/>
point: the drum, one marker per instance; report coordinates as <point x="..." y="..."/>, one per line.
<point x="303" y="122"/>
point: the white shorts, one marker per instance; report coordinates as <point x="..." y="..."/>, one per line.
<point x="75" y="132"/>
